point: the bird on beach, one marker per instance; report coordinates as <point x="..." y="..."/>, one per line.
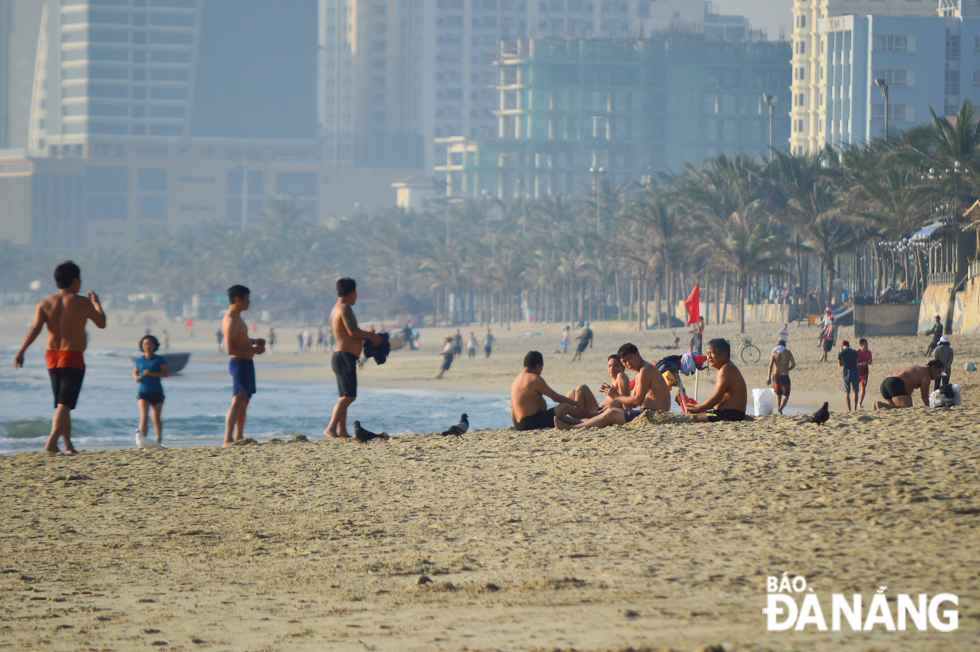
<point x="459" y="429"/>
<point x="145" y="443"/>
<point x="820" y="416"/>
<point x="364" y="436"/>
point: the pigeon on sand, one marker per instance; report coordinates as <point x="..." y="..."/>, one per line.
<point x="364" y="436"/>
<point x="145" y="443"/>
<point x="459" y="429"/>
<point x="820" y="416"/>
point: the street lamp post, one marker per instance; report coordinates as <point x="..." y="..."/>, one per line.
<point x="956" y="199"/>
<point x="883" y="85"/>
<point x="244" y="192"/>
<point x="596" y="173"/>
<point x="769" y="100"/>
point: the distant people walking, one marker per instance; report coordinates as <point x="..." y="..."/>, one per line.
<point x="781" y="362"/>
<point x="307" y="340"/>
<point x="448" y="353"/>
<point x="944" y="353"/>
<point x="783" y="335"/>
<point x="458" y="344"/>
<point x="847" y="359"/>
<point x="343" y="323"/>
<point x="697" y="341"/>
<point x="149" y="369"/>
<point x="299" y="342"/>
<point x="936" y="332"/>
<point x="864" y="367"/>
<point x="165" y="343"/>
<point x="220" y="337"/>
<point x="241" y="367"/>
<point x="584" y="340"/>
<point x="564" y="339"/>
<point x="471" y="345"/>
<point x="488" y="341"/>
<point x="829" y="338"/>
<point x="65" y="315"/>
<point x="320" y="343"/>
<point x="270" y="340"/>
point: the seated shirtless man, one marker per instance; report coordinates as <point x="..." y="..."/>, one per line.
<point x="650" y="392"/>
<point x="528" y="409"/>
<point x="897" y="389"/>
<point x="728" y="401"/>
<point x="65" y="315"/>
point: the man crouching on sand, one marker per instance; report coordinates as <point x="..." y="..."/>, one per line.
<point x="730" y="396"/>
<point x="650" y="392"/>
<point x="528" y="410"/>
<point x="897" y="389"/>
<point x="65" y="315"/>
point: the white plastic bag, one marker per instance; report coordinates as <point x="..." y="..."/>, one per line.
<point x="938" y="399"/>
<point x="764" y="399"/>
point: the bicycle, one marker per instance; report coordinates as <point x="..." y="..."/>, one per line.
<point x="747" y="351"/>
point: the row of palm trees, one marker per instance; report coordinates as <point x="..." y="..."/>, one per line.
<point x="732" y="224"/>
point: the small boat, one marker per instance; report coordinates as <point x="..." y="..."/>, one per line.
<point x="175" y="361"/>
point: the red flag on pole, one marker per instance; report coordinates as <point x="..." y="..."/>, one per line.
<point x="693" y="304"/>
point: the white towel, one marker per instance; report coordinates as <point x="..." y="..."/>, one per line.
<point x="779" y="349"/>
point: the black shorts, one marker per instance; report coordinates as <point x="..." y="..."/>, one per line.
<point x="828" y="345"/>
<point x="725" y="415"/>
<point x="893" y="386"/>
<point x="344" y="366"/>
<point x="153" y="398"/>
<point x="582" y="346"/>
<point x="447" y="361"/>
<point x="632" y="414"/>
<point x="66" y="383"/>
<point x="542" y="420"/>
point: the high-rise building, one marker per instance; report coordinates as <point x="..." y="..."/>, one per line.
<point x="172" y="69"/>
<point x="573" y="108"/>
<point x="924" y="63"/>
<point x="809" y="46"/>
<point x="371" y="65"/>
<point x="6" y="16"/>
<point x="113" y="69"/>
<point x="398" y="74"/>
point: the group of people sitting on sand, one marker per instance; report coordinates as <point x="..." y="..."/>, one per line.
<point x="623" y="400"/>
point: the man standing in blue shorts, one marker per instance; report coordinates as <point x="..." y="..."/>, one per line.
<point x="242" y="369"/>
<point x="848" y="359"/>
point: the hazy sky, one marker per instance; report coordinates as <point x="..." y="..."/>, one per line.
<point x="770" y="14"/>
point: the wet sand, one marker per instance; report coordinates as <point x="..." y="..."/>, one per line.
<point x="659" y="535"/>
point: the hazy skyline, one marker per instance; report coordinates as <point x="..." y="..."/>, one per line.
<point x="771" y="14"/>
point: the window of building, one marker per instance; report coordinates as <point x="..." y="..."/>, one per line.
<point x="953" y="82"/>
<point x="890" y="43"/>
<point x="105" y="207"/>
<point x="293" y="184"/>
<point x="952" y="47"/>
<point x="152" y="208"/>
<point x="976" y="77"/>
<point x="895" y="77"/>
<point x="106" y="179"/>
<point x="152" y="179"/>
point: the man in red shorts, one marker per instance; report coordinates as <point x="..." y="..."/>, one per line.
<point x="65" y="315"/>
<point x="864" y="367"/>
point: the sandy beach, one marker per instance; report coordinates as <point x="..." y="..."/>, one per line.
<point x="652" y="536"/>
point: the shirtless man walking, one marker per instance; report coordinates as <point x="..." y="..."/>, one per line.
<point x="650" y="392"/>
<point x="65" y="315"/>
<point x="897" y="389"/>
<point x="242" y="368"/>
<point x="344" y="362"/>
<point x="780" y="364"/>
<point x="528" y="409"/>
<point x="728" y="401"/>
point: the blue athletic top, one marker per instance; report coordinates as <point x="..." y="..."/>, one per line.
<point x="150" y="384"/>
